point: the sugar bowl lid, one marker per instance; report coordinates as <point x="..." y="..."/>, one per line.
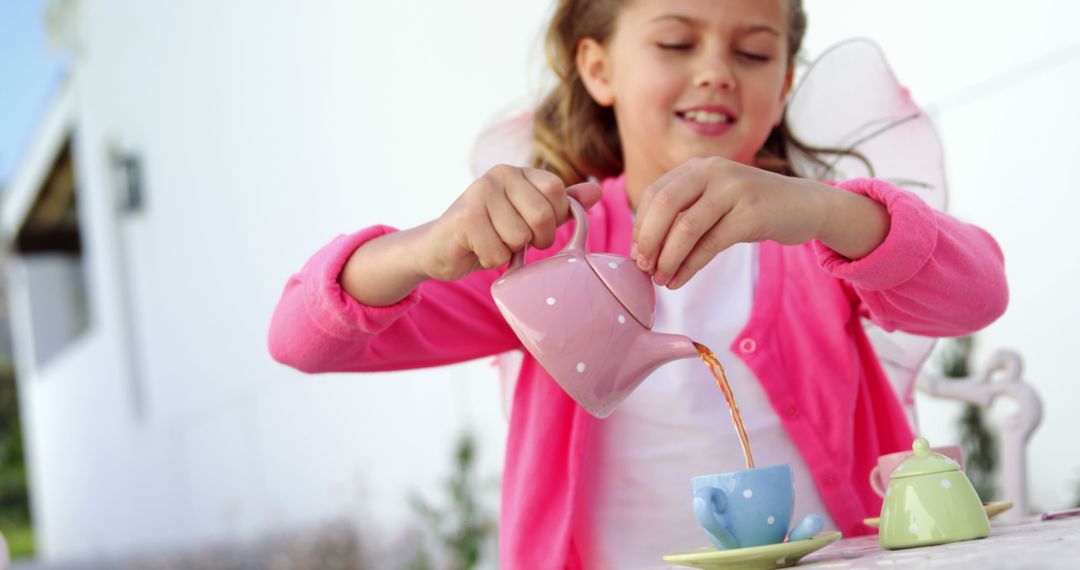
<point x="924" y="462"/>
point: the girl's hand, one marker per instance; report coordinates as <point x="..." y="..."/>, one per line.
<point x="500" y="213"/>
<point x="706" y="205"/>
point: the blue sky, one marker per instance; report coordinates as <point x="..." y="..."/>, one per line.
<point x="28" y="76"/>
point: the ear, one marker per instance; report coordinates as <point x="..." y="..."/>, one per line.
<point x="594" y="67"/>
<point x="789" y="79"/>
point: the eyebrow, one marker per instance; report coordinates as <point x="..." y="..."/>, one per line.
<point x="748" y="29"/>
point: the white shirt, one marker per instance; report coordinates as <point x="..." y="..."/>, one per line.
<point x="636" y="505"/>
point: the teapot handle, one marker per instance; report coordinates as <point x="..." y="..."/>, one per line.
<point x="576" y="243"/>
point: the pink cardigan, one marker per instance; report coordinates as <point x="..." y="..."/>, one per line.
<point x="933" y="275"/>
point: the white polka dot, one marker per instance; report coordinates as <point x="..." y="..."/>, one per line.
<point x="946" y="483"/>
<point x="581" y="367"/>
<point x="613" y="265"/>
<point x="622" y="320"/>
<point x="572" y="260"/>
<point x="771" y="519"/>
<point x="551" y="300"/>
<point x="500" y="281"/>
<point x="748" y="493"/>
<point x="900" y="467"/>
<point x="913" y="529"/>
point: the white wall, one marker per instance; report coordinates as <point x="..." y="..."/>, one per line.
<point x="53" y="285"/>
<point x="1001" y="79"/>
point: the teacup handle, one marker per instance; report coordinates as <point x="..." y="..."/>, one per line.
<point x="709" y="506"/>
<point x="807" y="528"/>
<point x="577" y="241"/>
<point x="875" y="481"/>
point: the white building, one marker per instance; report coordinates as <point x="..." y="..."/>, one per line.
<point x="200" y="151"/>
<point x="253" y="133"/>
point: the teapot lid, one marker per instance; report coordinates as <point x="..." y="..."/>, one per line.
<point x="631" y="286"/>
<point x="924" y="462"/>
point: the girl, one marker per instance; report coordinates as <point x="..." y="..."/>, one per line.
<point x="677" y="107"/>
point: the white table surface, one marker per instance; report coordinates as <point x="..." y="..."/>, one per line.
<point x="1025" y="544"/>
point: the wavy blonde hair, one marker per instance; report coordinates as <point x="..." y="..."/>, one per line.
<point x="576" y="138"/>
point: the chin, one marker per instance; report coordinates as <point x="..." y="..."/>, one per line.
<point x="709" y="153"/>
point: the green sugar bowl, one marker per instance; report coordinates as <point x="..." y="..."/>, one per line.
<point x="930" y="501"/>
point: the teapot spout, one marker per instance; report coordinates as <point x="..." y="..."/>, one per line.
<point x="657" y="349"/>
<point x="650" y="351"/>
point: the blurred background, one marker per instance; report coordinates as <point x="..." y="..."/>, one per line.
<point x="165" y="166"/>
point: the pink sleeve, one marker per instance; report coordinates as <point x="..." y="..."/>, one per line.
<point x="318" y="327"/>
<point x="933" y="275"/>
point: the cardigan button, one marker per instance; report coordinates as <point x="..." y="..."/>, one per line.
<point x="791" y="411"/>
<point x="747" y="345"/>
<point x="831" y="480"/>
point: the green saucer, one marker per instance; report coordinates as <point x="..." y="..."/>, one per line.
<point x="755" y="557"/>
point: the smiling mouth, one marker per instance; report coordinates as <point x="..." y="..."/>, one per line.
<point x="705" y="117"/>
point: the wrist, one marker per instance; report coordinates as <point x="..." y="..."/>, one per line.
<point x="413" y="249"/>
<point x="824" y="199"/>
<point x="852" y="225"/>
<point x="382" y="271"/>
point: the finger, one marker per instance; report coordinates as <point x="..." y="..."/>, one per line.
<point x="588" y="193"/>
<point x="486" y="244"/>
<point x="721" y="236"/>
<point x="654" y="224"/>
<point x="535" y="198"/>
<point x="647" y="195"/>
<point x="551" y="187"/>
<point x="688" y="229"/>
<point x="511" y="228"/>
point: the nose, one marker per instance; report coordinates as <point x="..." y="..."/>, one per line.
<point x="715" y="72"/>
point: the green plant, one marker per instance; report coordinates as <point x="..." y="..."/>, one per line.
<point x="977" y="440"/>
<point x="463" y="527"/>
<point x="20" y="540"/>
<point x="419" y="560"/>
<point x="14" y="501"/>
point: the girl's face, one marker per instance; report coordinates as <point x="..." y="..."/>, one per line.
<point x="691" y="78"/>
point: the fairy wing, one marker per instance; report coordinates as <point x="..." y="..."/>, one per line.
<point x="507" y="140"/>
<point x="850" y="99"/>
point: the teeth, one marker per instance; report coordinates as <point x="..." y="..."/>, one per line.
<point x="706" y="117"/>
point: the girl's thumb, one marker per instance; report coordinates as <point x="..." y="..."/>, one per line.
<point x="588" y="193"/>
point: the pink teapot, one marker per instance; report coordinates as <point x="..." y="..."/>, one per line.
<point x="587" y="319"/>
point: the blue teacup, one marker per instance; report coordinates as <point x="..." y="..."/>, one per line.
<point x="751" y="507"/>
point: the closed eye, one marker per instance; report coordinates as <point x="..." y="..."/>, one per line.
<point x="676" y="46"/>
<point x="753" y="56"/>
